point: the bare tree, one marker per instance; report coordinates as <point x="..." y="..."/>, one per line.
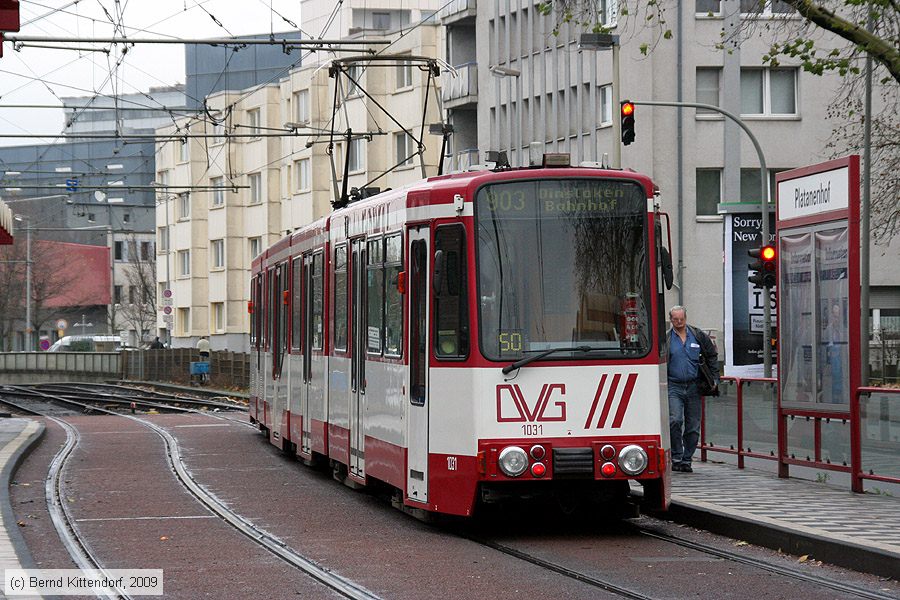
<point x="140" y="309"/>
<point x="54" y="274"/>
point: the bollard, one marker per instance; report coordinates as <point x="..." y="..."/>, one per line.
<point x="132" y="407"/>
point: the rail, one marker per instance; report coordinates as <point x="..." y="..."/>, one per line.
<point x="746" y="421"/>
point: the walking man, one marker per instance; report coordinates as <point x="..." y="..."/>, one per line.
<point x="686" y="343"/>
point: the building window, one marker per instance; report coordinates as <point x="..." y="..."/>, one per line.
<point x="218" y="316"/>
<point x="253" y="120"/>
<point x="768" y="92"/>
<point x="301" y="106"/>
<point x="162" y="237"/>
<point x="184" y="154"/>
<point x="403" y="144"/>
<point x="609" y="12"/>
<point x="117" y="294"/>
<point x="766" y="8"/>
<point x="255" y="247"/>
<point x="750" y="188"/>
<point x="254" y="180"/>
<point x="217" y="253"/>
<point x="162" y="178"/>
<point x="709" y="191"/>
<point x="218" y="194"/>
<point x="354" y="73"/>
<point x="404" y="75"/>
<point x="381" y="20"/>
<point x="357" y="159"/>
<point x="184" y="205"/>
<point x="708" y="88"/>
<point x="301" y="170"/>
<point x="184" y="320"/>
<point x="184" y="263"/>
<point x="146" y="250"/>
<point x="120" y="252"/>
<point x="218" y="133"/>
<point x="126" y="218"/>
<point x="708" y="7"/>
<point x="606" y="105"/>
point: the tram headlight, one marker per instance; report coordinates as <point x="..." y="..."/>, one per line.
<point x="633" y="460"/>
<point x="513" y="461"/>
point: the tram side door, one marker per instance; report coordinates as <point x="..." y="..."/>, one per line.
<point x="307" y="332"/>
<point x="417" y="423"/>
<point x="358" y="339"/>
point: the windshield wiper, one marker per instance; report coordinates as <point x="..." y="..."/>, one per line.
<point x="530" y="359"/>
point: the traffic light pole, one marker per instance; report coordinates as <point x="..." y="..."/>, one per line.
<point x="764" y="200"/>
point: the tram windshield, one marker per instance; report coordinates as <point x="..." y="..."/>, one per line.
<point x="563" y="263"/>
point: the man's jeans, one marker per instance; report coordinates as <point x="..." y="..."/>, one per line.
<point x="684" y="412"/>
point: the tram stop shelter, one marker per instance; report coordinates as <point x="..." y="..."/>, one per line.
<point x="818" y="295"/>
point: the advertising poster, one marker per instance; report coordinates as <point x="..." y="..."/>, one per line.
<point x="744" y="303"/>
<point x="797" y="326"/>
<point x="834" y="304"/>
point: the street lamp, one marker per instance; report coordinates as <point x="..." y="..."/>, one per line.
<point x="498" y="71"/>
<point x="608" y="41"/>
<point x="29" y="330"/>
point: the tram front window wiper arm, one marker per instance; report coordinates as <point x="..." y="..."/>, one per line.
<point x="530" y="359"/>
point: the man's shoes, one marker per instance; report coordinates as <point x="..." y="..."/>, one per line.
<point x="682" y="468"/>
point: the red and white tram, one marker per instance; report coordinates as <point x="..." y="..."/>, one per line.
<point x="473" y="337"/>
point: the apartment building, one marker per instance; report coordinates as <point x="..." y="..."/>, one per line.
<point x="267" y="170"/>
<point x="525" y="83"/>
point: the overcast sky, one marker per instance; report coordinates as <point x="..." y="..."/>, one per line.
<point x="42" y="76"/>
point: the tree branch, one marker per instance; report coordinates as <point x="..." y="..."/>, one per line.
<point x="879" y="49"/>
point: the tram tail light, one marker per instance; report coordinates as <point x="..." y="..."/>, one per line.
<point x="608" y="469"/>
<point x="480" y="463"/>
<point x="538" y="469"/>
<point x="285" y="297"/>
<point x="401" y="282"/>
<point x="250" y="307"/>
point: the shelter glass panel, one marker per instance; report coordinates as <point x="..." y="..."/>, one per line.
<point x="721" y="418"/>
<point x="796" y="308"/>
<point x="834" y="304"/>
<point x="836" y="441"/>
<point x="880" y="429"/>
<point x="760" y="417"/>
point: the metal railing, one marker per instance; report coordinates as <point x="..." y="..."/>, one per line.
<point x="456" y="6"/>
<point x="465" y="159"/>
<point x="746" y="421"/>
<point x="227" y="369"/>
<point x="464" y="84"/>
<point x="41" y="365"/>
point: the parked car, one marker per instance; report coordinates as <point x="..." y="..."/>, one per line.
<point x="87" y="343"/>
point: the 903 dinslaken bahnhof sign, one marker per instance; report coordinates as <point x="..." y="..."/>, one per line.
<point x="813" y="194"/>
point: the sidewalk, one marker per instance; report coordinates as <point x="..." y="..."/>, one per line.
<point x="837" y="526"/>
<point x="17" y="437"/>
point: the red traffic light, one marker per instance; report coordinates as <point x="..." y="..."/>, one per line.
<point x="768" y="253"/>
<point x="627" y="109"/>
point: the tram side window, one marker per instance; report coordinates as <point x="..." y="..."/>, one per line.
<point x="451" y="295"/>
<point x="282" y="305"/>
<point x="393" y="300"/>
<point x="374" y="297"/>
<point x="272" y="316"/>
<point x="297" y="304"/>
<point x="318" y="302"/>
<point x="254" y="303"/>
<point x="340" y="297"/>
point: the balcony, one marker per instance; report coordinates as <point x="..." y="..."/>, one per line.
<point x="464" y="159"/>
<point x="458" y="10"/>
<point x="462" y="89"/>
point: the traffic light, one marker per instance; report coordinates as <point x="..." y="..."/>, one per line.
<point x="756" y="266"/>
<point x="763" y="267"/>
<point x="767" y="253"/>
<point x="627" y="116"/>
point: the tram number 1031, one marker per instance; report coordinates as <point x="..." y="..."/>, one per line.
<point x="452" y="463"/>
<point x="532" y="429"/>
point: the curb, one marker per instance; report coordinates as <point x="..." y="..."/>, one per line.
<point x="841" y="552"/>
<point x="6" y="475"/>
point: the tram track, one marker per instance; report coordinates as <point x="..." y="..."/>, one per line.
<point x="261" y="537"/>
<point x="650" y="532"/>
